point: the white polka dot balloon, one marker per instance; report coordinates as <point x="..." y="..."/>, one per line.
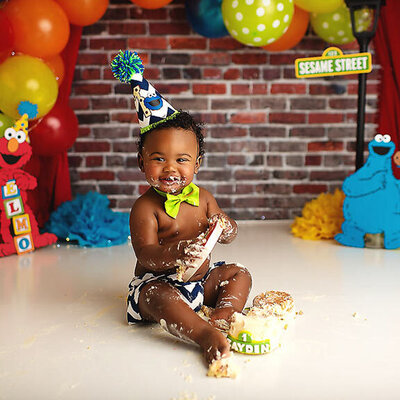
<point x="257" y="22"/>
<point x="335" y="27"/>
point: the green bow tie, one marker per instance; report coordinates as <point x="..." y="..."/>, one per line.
<point x="190" y="194"/>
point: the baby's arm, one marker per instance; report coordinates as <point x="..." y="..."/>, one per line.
<point x="144" y="235"/>
<point x="214" y="213"/>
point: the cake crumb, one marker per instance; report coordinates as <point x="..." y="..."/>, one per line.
<point x="222" y="368"/>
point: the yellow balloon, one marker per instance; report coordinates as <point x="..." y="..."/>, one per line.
<point x="319" y="6"/>
<point x="23" y="78"/>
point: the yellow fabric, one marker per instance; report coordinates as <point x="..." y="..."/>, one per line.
<point x="321" y="218"/>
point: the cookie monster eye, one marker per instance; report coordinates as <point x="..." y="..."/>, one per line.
<point x="378" y="138"/>
<point x="386" y="138"/>
<point x="9" y="133"/>
<point x="21" y="137"/>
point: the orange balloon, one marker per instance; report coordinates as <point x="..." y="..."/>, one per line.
<point x="297" y="29"/>
<point x="56" y="64"/>
<point x="41" y="28"/>
<point x="84" y="12"/>
<point x="151" y="4"/>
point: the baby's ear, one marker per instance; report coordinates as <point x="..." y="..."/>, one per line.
<point x="198" y="163"/>
<point x="140" y="162"/>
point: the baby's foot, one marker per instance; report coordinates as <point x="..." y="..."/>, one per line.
<point x="214" y="345"/>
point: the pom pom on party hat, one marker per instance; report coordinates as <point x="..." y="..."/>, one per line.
<point x="151" y="107"/>
<point x="27" y="110"/>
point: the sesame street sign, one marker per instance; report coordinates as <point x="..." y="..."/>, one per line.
<point x="333" y="62"/>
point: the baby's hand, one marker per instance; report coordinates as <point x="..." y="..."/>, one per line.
<point x="230" y="230"/>
<point x="191" y="250"/>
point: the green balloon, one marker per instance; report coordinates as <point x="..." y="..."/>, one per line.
<point x="335" y="27"/>
<point x="257" y="22"/>
<point x="5" y="122"/>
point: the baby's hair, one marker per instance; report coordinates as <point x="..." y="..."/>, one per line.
<point x="183" y="120"/>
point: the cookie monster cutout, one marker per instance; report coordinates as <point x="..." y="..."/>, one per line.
<point x="372" y="203"/>
<point x="19" y="232"/>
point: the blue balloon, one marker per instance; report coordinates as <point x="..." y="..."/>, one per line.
<point x="205" y="17"/>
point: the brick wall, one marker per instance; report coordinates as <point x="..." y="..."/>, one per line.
<point x="273" y="142"/>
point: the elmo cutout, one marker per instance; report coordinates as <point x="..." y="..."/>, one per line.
<point x="18" y="230"/>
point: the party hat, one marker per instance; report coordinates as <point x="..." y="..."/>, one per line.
<point x="151" y="107"/>
<point x="27" y="110"/>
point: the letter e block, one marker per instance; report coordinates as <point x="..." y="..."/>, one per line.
<point x="24" y="243"/>
<point x="14" y="206"/>
<point x="21" y="224"/>
<point x="10" y="189"/>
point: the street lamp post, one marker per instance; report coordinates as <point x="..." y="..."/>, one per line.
<point x="363" y="38"/>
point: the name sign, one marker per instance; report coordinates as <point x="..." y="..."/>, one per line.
<point x="333" y="62"/>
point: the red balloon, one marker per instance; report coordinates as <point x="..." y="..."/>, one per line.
<point x="6" y="36"/>
<point x="83" y="12"/>
<point x="56" y="132"/>
<point x="41" y="27"/>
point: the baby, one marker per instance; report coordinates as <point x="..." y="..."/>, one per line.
<point x="168" y="224"/>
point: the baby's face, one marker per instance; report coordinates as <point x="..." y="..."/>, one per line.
<point x="170" y="159"/>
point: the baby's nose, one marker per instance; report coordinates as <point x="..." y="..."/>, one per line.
<point x="170" y="166"/>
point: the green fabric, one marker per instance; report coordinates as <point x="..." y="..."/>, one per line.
<point x="190" y="194"/>
<point x="154" y="124"/>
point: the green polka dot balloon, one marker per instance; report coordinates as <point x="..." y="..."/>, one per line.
<point x="335" y="27"/>
<point x="257" y="22"/>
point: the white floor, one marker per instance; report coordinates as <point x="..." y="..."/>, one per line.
<point x="63" y="333"/>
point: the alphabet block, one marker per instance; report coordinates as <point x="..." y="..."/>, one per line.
<point x="10" y="189"/>
<point x="21" y="224"/>
<point x="14" y="206"/>
<point x="24" y="243"/>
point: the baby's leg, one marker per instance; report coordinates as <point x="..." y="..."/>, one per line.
<point x="227" y="289"/>
<point x="161" y="302"/>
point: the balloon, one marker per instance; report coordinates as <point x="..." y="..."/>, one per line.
<point x="83" y="12"/>
<point x="5" y="122"/>
<point x="205" y="17"/>
<point x="335" y="27"/>
<point x="56" y="132"/>
<point x="26" y="78"/>
<point x="6" y="36"/>
<point x="56" y="65"/>
<point x="295" y="32"/>
<point x="319" y="6"/>
<point x="41" y="27"/>
<point x="257" y="22"/>
<point x="151" y="4"/>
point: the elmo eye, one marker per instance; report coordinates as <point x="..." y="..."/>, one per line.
<point x="9" y="133"/>
<point x="378" y="138"/>
<point x="386" y="138"/>
<point x="21" y="137"/>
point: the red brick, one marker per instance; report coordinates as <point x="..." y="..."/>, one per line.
<point x="248" y="118"/>
<point x="94" y="161"/>
<point x="89" y="88"/>
<point x="148" y="42"/>
<point x="212" y="73"/>
<point x="231" y="74"/>
<point x="202" y="88"/>
<point x="91" y="59"/>
<point x="90" y="74"/>
<point x="241" y="89"/>
<point x="251" y="73"/>
<point x="97" y="175"/>
<point x="211" y="59"/>
<point x="127" y="28"/>
<point x="313" y="160"/>
<point x="288" y="88"/>
<point x="187" y="43"/>
<point x="225" y="43"/>
<point x="325" y="146"/>
<point x="314" y="189"/>
<point x="107" y="44"/>
<point x="249" y="58"/>
<point x="166" y="28"/>
<point x="287" y="118"/>
<point x="324" y="118"/>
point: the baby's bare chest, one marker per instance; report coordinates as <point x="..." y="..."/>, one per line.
<point x="189" y="223"/>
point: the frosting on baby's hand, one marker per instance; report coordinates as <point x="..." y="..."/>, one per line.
<point x="230" y="230"/>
